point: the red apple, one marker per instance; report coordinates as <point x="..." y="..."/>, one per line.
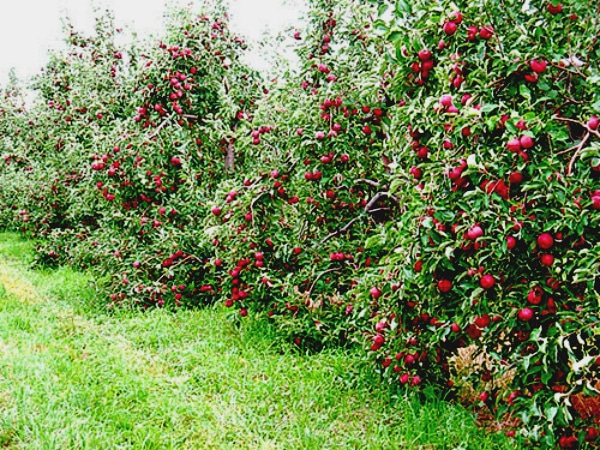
<point x="449" y="28"/>
<point x="515" y="178"/>
<point x="456" y="17"/>
<point x="474" y="232"/>
<point x="554" y="9"/>
<point x="416" y="172"/>
<point x="487" y="281"/>
<point x="545" y="241"/>
<point x="535" y="296"/>
<point x="538" y="65"/>
<point x="378" y="340"/>
<point x="446" y="100"/>
<point x="526" y="141"/>
<point x="525" y="314"/>
<point x="486" y="32"/>
<point x="547" y="259"/>
<point x="424" y="55"/>
<point x="375" y="292"/>
<point x="444" y="285"/>
<point x="593" y="123"/>
<point x="514" y="145"/>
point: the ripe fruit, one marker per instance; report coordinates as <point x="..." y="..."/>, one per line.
<point x="483" y="321"/>
<point x="593" y="123"/>
<point x="474" y="232"/>
<point x="531" y="77"/>
<point x="535" y="296"/>
<point x="375" y="292"/>
<point x="515" y="178"/>
<point x="547" y="259"/>
<point x="526" y="141"/>
<point x="525" y="314"/>
<point x="444" y="285"/>
<point x="378" y="340"/>
<point x="424" y="55"/>
<point x="596" y="202"/>
<point x="514" y="145"/>
<point x="216" y="210"/>
<point x="486" y="32"/>
<point x="416" y="172"/>
<point x="449" y="28"/>
<point x="487" y="281"/>
<point x="554" y="9"/>
<point x="538" y="65"/>
<point x="446" y="100"/>
<point x="456" y="17"/>
<point x="545" y="241"/>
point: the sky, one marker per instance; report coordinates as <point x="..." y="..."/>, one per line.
<point x="29" y="28"/>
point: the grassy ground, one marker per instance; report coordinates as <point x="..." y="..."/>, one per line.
<point x="75" y="378"/>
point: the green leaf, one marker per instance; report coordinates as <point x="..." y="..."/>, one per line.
<point x="525" y="92"/>
<point x="489" y="107"/>
<point x="395" y="37"/>
<point x="551" y="413"/>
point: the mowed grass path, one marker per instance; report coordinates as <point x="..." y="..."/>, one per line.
<point x="72" y="377"/>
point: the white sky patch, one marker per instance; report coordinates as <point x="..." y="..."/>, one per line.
<point x="29" y="28"/>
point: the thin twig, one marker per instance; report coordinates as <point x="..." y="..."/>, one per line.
<point x="160" y="127"/>
<point x="578" y="150"/>
<point x="312" y="286"/>
<point x="576" y="146"/>
<point x="340" y="231"/>
<point x="365" y="181"/>
<point x="374" y="200"/>
<point x="368" y="209"/>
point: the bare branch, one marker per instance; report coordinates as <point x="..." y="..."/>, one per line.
<point x="365" y="181"/>
<point x="578" y="150"/>
<point x="230" y="158"/>
<point x="340" y="231"/>
<point x="374" y="200"/>
<point x="312" y="286"/>
<point x="158" y="128"/>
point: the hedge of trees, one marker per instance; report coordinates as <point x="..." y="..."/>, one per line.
<point x="425" y="185"/>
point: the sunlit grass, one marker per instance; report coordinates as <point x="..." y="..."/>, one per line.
<point x="76" y="378"/>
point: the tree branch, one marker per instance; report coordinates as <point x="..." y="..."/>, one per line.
<point x="312" y="286"/>
<point x="340" y="231"/>
<point x="365" y="181"/>
<point x="230" y="158"/>
<point x="158" y="128"/>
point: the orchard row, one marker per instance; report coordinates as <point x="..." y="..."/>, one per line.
<point x="428" y="181"/>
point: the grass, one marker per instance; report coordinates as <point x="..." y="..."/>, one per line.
<point x="72" y="377"/>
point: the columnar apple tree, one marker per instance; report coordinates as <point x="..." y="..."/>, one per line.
<point x="495" y="155"/>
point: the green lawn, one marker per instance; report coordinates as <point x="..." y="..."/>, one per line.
<point x="72" y="377"/>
